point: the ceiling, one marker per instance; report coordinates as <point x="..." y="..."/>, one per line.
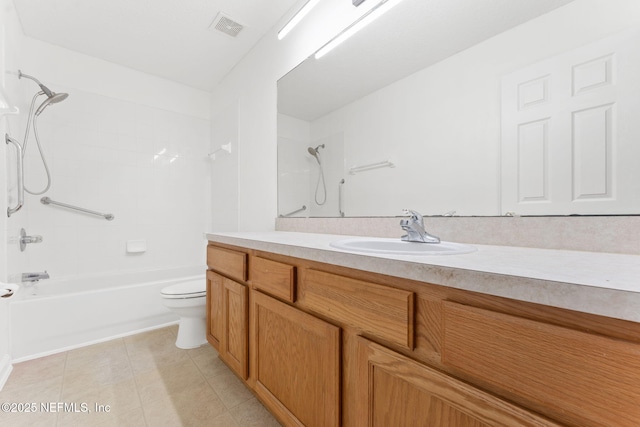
<point x="167" y="38"/>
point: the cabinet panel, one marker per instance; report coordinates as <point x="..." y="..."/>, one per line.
<point x="214" y="309"/>
<point x="295" y="363"/>
<point x="394" y="390"/>
<point x="273" y="277"/>
<point x="379" y="310"/>
<point x="229" y="262"/>
<point x="579" y="378"/>
<point x="235" y="338"/>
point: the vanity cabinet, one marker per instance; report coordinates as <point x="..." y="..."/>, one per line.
<point x="336" y="346"/>
<point x="228" y="313"/>
<point x="295" y="363"/>
<point x="394" y="390"/>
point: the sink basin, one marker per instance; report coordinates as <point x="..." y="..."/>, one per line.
<point x="384" y="246"/>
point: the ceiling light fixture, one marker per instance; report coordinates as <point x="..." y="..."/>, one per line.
<point x="297" y="18"/>
<point x="383" y="7"/>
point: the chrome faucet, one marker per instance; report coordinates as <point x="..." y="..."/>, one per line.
<point x="34" y="277"/>
<point x="414" y="226"/>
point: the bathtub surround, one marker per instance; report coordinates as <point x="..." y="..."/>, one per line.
<point x="123" y="142"/>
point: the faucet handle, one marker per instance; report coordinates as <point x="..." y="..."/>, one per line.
<point x="415" y="215"/>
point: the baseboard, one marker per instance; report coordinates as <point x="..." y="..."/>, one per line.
<point x="5" y="369"/>
<point x="91" y="342"/>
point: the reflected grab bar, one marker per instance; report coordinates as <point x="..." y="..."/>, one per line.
<point x="48" y="201"/>
<point x="340" y="197"/>
<point x="304" y="207"/>
<point x="20" y="170"/>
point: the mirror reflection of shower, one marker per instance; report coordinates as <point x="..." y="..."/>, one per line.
<point x="52" y="98"/>
<point x="316" y="153"/>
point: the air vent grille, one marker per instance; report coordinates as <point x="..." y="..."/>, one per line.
<point x="226" y="25"/>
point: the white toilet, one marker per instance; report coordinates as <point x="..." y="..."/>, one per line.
<point x="188" y="300"/>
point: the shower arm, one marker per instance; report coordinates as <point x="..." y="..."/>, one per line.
<point x="45" y="89"/>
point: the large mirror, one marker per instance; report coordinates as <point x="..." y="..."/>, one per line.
<point x="468" y="107"/>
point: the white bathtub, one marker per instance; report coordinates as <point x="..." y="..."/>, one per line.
<point x="60" y="315"/>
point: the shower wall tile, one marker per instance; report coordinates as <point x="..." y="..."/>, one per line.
<point x="145" y="165"/>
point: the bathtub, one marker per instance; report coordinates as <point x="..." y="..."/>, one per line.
<point x="59" y="315"/>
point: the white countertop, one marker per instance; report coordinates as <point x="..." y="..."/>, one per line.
<point x="592" y="282"/>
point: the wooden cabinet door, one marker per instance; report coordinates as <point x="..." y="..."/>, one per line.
<point x="227" y="321"/>
<point x="393" y="390"/>
<point x="235" y="312"/>
<point x="295" y="363"/>
<point x="214" y="309"/>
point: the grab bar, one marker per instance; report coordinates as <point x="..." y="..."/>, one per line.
<point x="20" y="171"/>
<point x="340" y="197"/>
<point x="385" y="164"/>
<point x="303" y="208"/>
<point x="48" y="201"/>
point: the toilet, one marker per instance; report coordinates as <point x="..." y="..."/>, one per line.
<point x="188" y="300"/>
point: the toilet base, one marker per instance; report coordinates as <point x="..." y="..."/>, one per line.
<point x="192" y="332"/>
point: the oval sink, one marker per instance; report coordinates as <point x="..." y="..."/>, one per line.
<point x="383" y="246"/>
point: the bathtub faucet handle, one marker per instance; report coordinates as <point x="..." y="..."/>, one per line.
<point x="34" y="277"/>
<point x="25" y="240"/>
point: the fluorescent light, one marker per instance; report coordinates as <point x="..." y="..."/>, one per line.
<point x="382" y="7"/>
<point x="297" y="18"/>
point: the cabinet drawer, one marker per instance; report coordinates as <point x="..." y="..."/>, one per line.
<point x="382" y="311"/>
<point x="229" y="262"/>
<point x="273" y="277"/>
<point x="579" y="378"/>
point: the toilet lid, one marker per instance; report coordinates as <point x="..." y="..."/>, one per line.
<point x="190" y="289"/>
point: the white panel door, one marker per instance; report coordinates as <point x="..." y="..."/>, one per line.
<point x="571" y="132"/>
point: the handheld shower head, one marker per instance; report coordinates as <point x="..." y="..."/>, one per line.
<point x="53" y="99"/>
<point x="314" y="152"/>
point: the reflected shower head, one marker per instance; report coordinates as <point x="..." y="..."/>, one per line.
<point x="53" y="99"/>
<point x="314" y="151"/>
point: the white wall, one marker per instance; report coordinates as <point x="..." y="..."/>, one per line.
<point x="478" y="134"/>
<point x="123" y="142"/>
<point x="252" y="83"/>
<point x="224" y="174"/>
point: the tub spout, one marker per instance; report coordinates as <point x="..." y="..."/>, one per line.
<point x="34" y="277"/>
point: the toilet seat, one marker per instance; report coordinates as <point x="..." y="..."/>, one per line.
<point x="191" y="289"/>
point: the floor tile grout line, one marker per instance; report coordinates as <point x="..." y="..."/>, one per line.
<point x="64" y="371"/>
<point x="135" y="380"/>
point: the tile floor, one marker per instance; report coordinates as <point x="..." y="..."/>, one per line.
<point x="146" y="381"/>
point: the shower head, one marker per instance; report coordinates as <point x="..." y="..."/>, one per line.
<point x="53" y="99"/>
<point x="314" y="151"/>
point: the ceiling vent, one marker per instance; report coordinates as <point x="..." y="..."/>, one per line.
<point x="226" y="25"/>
